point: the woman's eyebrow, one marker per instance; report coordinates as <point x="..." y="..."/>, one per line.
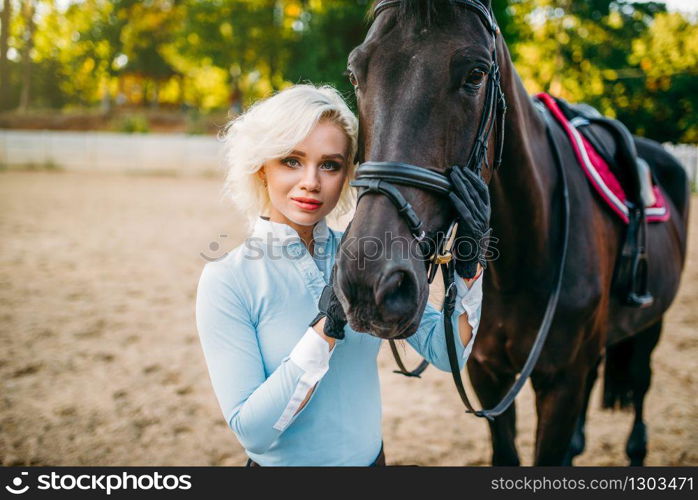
<point x="336" y="155"/>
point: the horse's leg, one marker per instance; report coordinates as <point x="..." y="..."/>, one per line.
<point x="578" y="441"/>
<point x="490" y="387"/>
<point x="559" y="399"/>
<point x="641" y="374"/>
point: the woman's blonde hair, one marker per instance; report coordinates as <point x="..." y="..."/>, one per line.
<point x="270" y="129"/>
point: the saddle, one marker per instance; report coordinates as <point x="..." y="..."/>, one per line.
<point x="641" y="198"/>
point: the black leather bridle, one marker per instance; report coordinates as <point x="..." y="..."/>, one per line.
<point x="380" y="177"/>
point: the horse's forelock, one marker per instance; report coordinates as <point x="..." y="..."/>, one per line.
<point x="423" y="13"/>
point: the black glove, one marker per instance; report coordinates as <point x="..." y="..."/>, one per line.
<point x="330" y="308"/>
<point x="471" y="199"/>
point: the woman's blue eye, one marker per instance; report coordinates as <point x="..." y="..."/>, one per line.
<point x="326" y="165"/>
<point x="290" y="162"/>
<point x="331" y="165"/>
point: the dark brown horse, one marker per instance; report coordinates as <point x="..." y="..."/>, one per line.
<point x="417" y="103"/>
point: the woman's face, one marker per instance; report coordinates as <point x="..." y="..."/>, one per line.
<point x="305" y="185"/>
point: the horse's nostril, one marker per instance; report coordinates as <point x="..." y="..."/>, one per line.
<point x="388" y="285"/>
<point x="395" y="294"/>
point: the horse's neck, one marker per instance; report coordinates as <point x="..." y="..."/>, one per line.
<point x="521" y="191"/>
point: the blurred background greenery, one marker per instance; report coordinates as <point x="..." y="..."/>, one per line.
<point x="186" y="65"/>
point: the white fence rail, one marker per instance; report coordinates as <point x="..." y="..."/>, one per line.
<point x="176" y="153"/>
<point x="688" y="156"/>
<point x="110" y="152"/>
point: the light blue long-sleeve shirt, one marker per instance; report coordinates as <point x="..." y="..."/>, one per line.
<point x="252" y="312"/>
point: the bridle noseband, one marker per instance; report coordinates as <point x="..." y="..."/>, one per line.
<point x="379" y="176"/>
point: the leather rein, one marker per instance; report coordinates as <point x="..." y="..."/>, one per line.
<point x="380" y="177"/>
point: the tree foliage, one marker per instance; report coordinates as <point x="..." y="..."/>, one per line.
<point x="632" y="60"/>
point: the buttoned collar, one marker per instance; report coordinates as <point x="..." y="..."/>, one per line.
<point x="278" y="234"/>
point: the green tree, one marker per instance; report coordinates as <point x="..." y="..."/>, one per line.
<point x="600" y="51"/>
<point x="668" y="56"/>
<point x="150" y="28"/>
<point x="28" y="14"/>
<point x="248" y="40"/>
<point x="4" y="46"/>
<point x="326" y="32"/>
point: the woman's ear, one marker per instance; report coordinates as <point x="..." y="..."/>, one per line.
<point x="262" y="175"/>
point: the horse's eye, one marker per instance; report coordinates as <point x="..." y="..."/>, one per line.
<point x="352" y="78"/>
<point x="475" y="77"/>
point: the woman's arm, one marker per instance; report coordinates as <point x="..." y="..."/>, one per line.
<point x="465" y="329"/>
<point x="318" y="327"/>
<point x="256" y="408"/>
<point x="430" y="339"/>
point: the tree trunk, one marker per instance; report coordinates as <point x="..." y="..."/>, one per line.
<point x="4" y="65"/>
<point x="28" y="8"/>
<point x="235" y="98"/>
<point x="155" y="103"/>
<point x="181" y="91"/>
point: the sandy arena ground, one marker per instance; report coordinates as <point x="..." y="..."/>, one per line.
<point x="101" y="365"/>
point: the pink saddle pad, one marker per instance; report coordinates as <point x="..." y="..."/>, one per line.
<point x="598" y="172"/>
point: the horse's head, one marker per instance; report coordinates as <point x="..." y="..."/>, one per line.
<point x="421" y="78"/>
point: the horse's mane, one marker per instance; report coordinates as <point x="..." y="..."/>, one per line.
<point x="422" y="13"/>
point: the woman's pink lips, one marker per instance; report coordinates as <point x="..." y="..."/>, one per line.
<point x="306" y="205"/>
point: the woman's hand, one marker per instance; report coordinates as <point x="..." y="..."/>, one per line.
<point x="469" y="281"/>
<point x="471" y="199"/>
<point x="331" y="313"/>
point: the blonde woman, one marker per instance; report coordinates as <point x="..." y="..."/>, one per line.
<point x="292" y="394"/>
